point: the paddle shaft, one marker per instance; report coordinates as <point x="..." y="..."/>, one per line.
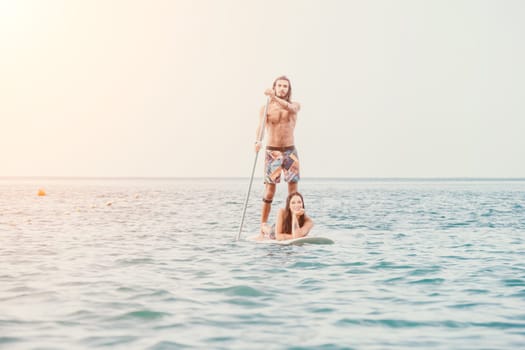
<point x="259" y="139"/>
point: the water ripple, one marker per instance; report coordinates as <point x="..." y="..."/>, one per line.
<point x="151" y="264"/>
<point x="243" y="291"/>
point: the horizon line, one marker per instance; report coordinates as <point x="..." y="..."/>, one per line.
<point x="354" y="178"/>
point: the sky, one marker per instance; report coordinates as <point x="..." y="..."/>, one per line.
<point x="405" y="88"/>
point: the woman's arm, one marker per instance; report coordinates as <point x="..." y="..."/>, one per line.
<point x="279" y="234"/>
<point x="296" y="230"/>
<point x="301" y="231"/>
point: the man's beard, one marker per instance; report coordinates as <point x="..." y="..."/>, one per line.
<point x="285" y="96"/>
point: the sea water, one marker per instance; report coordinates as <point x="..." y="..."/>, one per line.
<point x="152" y="264"/>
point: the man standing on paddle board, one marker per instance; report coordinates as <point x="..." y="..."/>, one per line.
<point x="281" y="157"/>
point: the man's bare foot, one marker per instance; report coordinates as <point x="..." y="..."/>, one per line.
<point x="266" y="230"/>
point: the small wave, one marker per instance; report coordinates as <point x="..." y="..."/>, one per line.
<point x="457" y="224"/>
<point x="168" y="345"/>
<point x="242" y="291"/>
<point x="520" y="294"/>
<point x="455" y="257"/>
<point x="357" y="271"/>
<point x="109" y="341"/>
<point x="500" y="325"/>
<point x="517" y="317"/>
<point x="389" y="265"/>
<point x="466" y="245"/>
<point x="81" y="314"/>
<point x="322" y="310"/>
<point x="476" y="291"/>
<point x="7" y="340"/>
<point x="392" y="323"/>
<point x="386" y="323"/>
<point x="421" y="272"/>
<point x="143" y="315"/>
<point x="514" y="283"/>
<point x="465" y="305"/>
<point x="394" y="280"/>
<point x="429" y="281"/>
<point x="308" y="265"/>
<point x="309" y="281"/>
<point x="356" y="263"/>
<point x="153" y="293"/>
<point x="488" y="213"/>
<point x="246" y="303"/>
<point x="219" y="339"/>
<point x="136" y="261"/>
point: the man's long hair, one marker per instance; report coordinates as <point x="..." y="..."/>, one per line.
<point x="287" y="220"/>
<point x="288" y="96"/>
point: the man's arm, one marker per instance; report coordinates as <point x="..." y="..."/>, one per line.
<point x="291" y="106"/>
<point x="259" y="130"/>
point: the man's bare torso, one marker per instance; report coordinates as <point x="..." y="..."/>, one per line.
<point x="280" y="126"/>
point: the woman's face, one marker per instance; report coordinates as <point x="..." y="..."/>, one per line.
<point x="296" y="203"/>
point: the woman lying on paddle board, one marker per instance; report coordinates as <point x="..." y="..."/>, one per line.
<point x="292" y="222"/>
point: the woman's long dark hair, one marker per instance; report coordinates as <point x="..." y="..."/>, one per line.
<point x="287" y="222"/>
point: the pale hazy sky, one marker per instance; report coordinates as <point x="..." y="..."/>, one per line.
<point x="407" y="88"/>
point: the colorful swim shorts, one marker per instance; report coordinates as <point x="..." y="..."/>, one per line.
<point x="281" y="160"/>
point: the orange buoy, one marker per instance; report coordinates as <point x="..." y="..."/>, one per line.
<point x="41" y="192"/>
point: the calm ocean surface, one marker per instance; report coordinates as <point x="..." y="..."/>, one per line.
<point x="151" y="264"/>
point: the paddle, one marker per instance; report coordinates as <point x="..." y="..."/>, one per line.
<point x="261" y="135"/>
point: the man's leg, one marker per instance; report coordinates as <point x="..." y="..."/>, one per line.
<point x="292" y="187"/>
<point x="267" y="203"/>
<point x="291" y="174"/>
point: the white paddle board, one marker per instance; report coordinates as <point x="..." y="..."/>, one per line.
<point x="296" y="241"/>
